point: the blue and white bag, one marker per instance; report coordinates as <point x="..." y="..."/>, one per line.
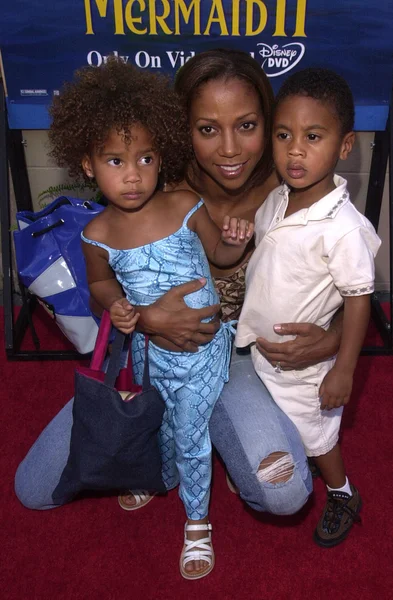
<point x="51" y="265"/>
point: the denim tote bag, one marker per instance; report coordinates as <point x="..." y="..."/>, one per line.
<point x="114" y="442"/>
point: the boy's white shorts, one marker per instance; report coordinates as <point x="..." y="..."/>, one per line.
<point x="297" y="394"/>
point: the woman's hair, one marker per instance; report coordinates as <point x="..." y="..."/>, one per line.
<point x="222" y="64"/>
<point x="117" y="96"/>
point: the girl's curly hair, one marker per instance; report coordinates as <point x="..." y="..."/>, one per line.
<point x="117" y="96"/>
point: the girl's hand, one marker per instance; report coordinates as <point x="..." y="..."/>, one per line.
<point x="123" y="316"/>
<point x="335" y="389"/>
<point x="236" y="232"/>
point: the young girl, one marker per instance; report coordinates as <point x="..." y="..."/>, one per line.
<point x="125" y="128"/>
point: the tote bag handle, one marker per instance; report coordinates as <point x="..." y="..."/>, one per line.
<point x="114" y="365"/>
<point x="115" y="361"/>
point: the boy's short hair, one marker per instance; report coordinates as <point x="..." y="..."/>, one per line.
<point x="324" y="85"/>
<point x="118" y="96"/>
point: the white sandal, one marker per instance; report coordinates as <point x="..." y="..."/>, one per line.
<point x="142" y="497"/>
<point x="197" y="550"/>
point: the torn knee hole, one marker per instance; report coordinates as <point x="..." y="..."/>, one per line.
<point x="276" y="468"/>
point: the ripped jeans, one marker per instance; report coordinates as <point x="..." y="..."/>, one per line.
<point x="246" y="427"/>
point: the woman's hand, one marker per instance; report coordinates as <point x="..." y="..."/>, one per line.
<point x="311" y="345"/>
<point x="170" y="317"/>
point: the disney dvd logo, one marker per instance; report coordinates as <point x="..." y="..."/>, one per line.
<point x="278" y="61"/>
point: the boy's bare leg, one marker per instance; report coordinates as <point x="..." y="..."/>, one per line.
<point x="331" y="466"/>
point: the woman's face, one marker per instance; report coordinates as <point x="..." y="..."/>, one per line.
<point x="227" y="128"/>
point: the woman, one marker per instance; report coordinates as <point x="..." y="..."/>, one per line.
<point x="229" y="102"/>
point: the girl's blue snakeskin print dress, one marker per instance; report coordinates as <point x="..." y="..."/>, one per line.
<point x="189" y="383"/>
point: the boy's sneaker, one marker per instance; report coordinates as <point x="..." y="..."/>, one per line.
<point x="340" y="513"/>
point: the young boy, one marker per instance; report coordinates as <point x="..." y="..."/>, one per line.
<point x="314" y="251"/>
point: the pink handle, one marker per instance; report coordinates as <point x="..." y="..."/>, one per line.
<point x="101" y="344"/>
<point x="125" y="380"/>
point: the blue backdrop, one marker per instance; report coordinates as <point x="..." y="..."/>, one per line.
<point x="43" y="42"/>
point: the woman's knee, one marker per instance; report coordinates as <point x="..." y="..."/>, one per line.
<point x="28" y="491"/>
<point x="277" y="467"/>
<point x="283" y="486"/>
<point x="22" y="491"/>
<point x="39" y="472"/>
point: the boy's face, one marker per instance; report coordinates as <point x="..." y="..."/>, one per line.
<point x="307" y="143"/>
<point x="127" y="175"/>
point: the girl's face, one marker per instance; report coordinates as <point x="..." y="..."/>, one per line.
<point x="227" y="128"/>
<point x="127" y="175"/>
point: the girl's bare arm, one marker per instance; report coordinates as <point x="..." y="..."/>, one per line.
<point x="224" y="247"/>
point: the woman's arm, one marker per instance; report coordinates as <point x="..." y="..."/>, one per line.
<point x="311" y="345"/>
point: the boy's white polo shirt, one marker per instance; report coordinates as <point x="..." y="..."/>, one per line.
<point x="304" y="264"/>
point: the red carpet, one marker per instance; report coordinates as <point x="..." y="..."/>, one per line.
<point x="92" y="549"/>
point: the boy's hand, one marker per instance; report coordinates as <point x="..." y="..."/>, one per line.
<point x="336" y="389"/>
<point x="123" y="316"/>
<point x="236" y="232"/>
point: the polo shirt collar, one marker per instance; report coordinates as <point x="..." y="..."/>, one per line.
<point x="327" y="207"/>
